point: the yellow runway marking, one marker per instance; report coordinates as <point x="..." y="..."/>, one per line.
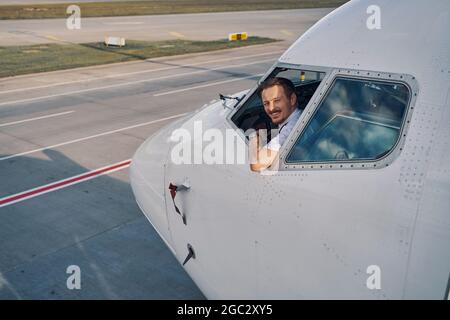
<point x="53" y="38"/>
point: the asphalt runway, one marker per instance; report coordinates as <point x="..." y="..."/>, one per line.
<point x="57" y="126"/>
<point x="278" y="24"/>
<point x="66" y="139"/>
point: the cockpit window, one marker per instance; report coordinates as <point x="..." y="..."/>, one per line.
<point x="357" y="120"/>
<point x="252" y="115"/>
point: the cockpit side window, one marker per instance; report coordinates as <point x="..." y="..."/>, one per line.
<point x="251" y="115"/>
<point x="357" y="120"/>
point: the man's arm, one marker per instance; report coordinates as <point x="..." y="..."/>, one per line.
<point x="260" y="157"/>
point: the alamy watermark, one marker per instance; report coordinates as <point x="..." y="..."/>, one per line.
<point x="373" y="282"/>
<point x="215" y="146"/>
<point x="373" y="22"/>
<point x="73" y="22"/>
<point x="74" y="280"/>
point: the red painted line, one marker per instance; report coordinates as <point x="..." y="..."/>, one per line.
<point x="61" y="183"/>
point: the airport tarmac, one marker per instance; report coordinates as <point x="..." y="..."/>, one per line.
<point x="278" y="24"/>
<point x="66" y="139"/>
<point x="57" y="126"/>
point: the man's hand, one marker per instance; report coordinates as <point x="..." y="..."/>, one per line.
<point x="260" y="156"/>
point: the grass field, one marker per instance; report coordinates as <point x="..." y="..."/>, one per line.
<point x="148" y="7"/>
<point x="16" y="60"/>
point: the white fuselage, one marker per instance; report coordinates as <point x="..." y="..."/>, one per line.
<point x="317" y="232"/>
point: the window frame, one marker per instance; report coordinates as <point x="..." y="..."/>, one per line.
<point x="326" y="70"/>
<point x="316" y="101"/>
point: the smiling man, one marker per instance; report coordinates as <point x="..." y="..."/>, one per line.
<point x="280" y="103"/>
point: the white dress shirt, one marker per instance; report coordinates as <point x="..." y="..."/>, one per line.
<point x="284" y="129"/>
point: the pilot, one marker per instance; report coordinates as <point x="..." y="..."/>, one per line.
<point x="280" y="103"/>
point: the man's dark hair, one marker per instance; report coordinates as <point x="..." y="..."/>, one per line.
<point x="287" y="85"/>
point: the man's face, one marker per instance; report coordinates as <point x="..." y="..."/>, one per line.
<point x="277" y="105"/>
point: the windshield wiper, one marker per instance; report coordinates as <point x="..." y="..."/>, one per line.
<point x="225" y="98"/>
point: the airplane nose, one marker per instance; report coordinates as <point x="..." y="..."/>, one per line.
<point x="147" y="173"/>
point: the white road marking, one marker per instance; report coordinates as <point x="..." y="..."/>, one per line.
<point x="129" y="83"/>
<point x="206" y="85"/>
<point x="91" y="137"/>
<point x="37" y="118"/>
<point x="137" y="72"/>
